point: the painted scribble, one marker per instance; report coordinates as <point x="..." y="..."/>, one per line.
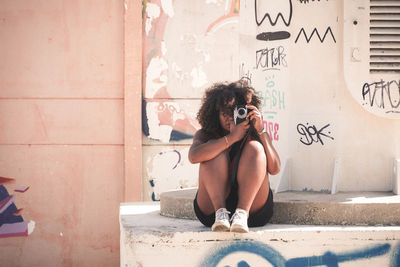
<point x="273" y="36"/>
<point x="310" y="134"/>
<point x="267" y="14"/>
<point x="270" y="256"/>
<point x="168" y="170"/>
<point x="226" y="18"/>
<point x="315" y="31"/>
<point x="383" y="95"/>
<point x="271" y="58"/>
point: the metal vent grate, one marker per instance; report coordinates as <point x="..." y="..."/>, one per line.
<point x="384" y="36"/>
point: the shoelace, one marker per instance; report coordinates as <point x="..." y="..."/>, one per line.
<point x="222" y="214"/>
<point x="239" y="215"/>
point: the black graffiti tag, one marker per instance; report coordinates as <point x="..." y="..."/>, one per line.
<point x="272" y="58"/>
<point x="376" y="93"/>
<point x="311" y="134"/>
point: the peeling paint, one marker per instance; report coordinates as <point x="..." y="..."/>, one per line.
<point x="167" y="7"/>
<point x="153" y="12"/>
<point x="199" y="77"/>
<point x="31" y="227"/>
<point x="155" y="76"/>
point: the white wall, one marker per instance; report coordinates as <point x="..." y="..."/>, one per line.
<point x="315" y="116"/>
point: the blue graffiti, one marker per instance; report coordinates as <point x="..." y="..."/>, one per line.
<point x="328" y="259"/>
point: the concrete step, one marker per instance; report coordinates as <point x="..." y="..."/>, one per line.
<point x="149" y="239"/>
<point x="312" y="208"/>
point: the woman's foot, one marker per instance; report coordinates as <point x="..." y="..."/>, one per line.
<point x="239" y="222"/>
<point x="221" y="223"/>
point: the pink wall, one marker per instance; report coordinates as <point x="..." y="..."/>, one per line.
<point x="62" y="128"/>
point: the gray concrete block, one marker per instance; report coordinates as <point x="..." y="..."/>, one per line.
<point x="312" y="208"/>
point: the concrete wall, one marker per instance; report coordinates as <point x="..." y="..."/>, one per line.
<point x="315" y="108"/>
<point x="62" y="129"/>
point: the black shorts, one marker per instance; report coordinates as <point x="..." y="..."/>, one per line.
<point x="260" y="218"/>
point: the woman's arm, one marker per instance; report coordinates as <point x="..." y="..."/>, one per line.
<point x="201" y="151"/>
<point x="273" y="161"/>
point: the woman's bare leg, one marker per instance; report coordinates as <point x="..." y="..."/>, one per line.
<point x="213" y="184"/>
<point x="252" y="177"/>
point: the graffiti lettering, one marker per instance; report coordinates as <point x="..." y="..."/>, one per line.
<point x="272" y="129"/>
<point x="273" y="58"/>
<point x="381" y="90"/>
<point x="273" y="99"/>
<point x="272" y="257"/>
<point x="311" y="134"/>
<point x="315" y="31"/>
<point x="267" y="15"/>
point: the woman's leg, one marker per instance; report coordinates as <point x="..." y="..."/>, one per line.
<point x="213" y="184"/>
<point x="252" y="178"/>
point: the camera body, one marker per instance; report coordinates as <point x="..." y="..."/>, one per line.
<point x="240" y="114"/>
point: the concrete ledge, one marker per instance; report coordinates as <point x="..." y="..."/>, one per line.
<point x="351" y="208"/>
<point x="149" y="239"/>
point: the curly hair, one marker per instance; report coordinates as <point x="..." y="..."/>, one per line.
<point x="224" y="97"/>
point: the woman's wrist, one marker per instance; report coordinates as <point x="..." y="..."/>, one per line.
<point x="262" y="131"/>
<point x="227" y="144"/>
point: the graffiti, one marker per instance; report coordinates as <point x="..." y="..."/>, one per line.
<point x="222" y="21"/>
<point x="170" y="158"/>
<point x="279" y="15"/>
<point x="273" y="100"/>
<point x="11" y="222"/>
<point x="271" y="59"/>
<point x="273" y="36"/>
<point x="253" y="253"/>
<point x="166" y="121"/>
<point x="315" y="31"/>
<point x="244" y="74"/>
<point x="312" y="135"/>
<point x="169" y="170"/>
<point x="372" y="92"/>
<point x="272" y="129"/>
<point x="153" y="195"/>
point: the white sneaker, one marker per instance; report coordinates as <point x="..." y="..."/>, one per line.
<point x="221" y="223"/>
<point x="239" y="222"/>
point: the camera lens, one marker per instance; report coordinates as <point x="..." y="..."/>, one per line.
<point x="242" y="112"/>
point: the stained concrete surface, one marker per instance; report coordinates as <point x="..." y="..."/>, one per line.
<point x="314" y="208"/>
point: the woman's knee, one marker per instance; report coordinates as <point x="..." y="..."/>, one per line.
<point x="254" y="149"/>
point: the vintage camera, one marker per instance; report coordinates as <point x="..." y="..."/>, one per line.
<point x="240" y="114"/>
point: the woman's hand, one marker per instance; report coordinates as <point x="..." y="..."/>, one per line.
<point x="237" y="132"/>
<point x="255" y="117"/>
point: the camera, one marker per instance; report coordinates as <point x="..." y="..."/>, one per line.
<point x="240" y="114"/>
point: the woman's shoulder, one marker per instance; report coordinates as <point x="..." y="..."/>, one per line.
<point x="203" y="136"/>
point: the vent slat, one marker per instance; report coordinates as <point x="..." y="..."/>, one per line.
<point x="385" y="8"/>
<point x="384" y="36"/>
<point x="384" y="58"/>
<point x="384" y="30"/>
<point x="384" y="51"/>
<point x="386" y="71"/>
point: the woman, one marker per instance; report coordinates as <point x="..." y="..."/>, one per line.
<point x="234" y="161"/>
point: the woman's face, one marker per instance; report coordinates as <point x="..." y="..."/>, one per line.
<point x="224" y="120"/>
